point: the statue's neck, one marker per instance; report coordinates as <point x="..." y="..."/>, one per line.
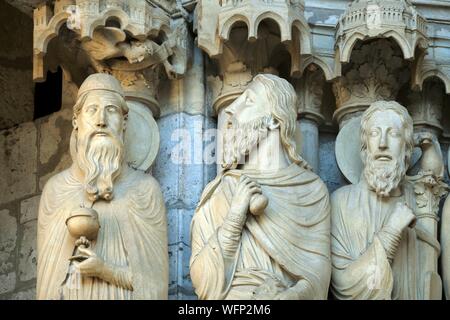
<point x="268" y="155"/>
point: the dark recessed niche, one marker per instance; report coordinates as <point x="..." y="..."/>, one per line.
<point x="48" y="95"/>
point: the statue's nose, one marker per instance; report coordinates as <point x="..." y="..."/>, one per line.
<point x="101" y="121"/>
<point x="231" y="109"/>
<point x="383" y="141"/>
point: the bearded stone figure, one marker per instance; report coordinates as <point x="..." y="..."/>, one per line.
<point x="262" y="227"/>
<point x="374" y="242"/>
<point x="128" y="258"/>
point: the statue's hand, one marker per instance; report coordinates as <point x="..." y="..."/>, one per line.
<point x="93" y="266"/>
<point x="269" y="290"/>
<point x="288" y="294"/>
<point x="300" y="291"/>
<point x="402" y="217"/>
<point x="242" y="195"/>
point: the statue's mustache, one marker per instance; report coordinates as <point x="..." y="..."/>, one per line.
<point x="102" y="132"/>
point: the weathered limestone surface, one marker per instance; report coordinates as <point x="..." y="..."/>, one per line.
<point x="27" y="252"/>
<point x="18" y="162"/>
<point x="54" y="137"/>
<point x="28" y="209"/>
<point x="8" y="240"/>
<point x="179" y="169"/>
<point x="16" y="66"/>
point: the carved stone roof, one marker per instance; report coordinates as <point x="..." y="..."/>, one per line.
<point x="367" y="19"/>
<point x="138" y="18"/>
<point x="215" y="19"/>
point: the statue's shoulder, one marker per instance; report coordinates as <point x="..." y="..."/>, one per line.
<point x="142" y="181"/>
<point x="344" y="192"/>
<point x="314" y="176"/>
<point x="56" y="181"/>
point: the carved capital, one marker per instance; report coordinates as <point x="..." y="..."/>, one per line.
<point x="235" y="80"/>
<point x="429" y="190"/>
<point x="309" y="94"/>
<point x="426" y="106"/>
<point x="376" y="72"/>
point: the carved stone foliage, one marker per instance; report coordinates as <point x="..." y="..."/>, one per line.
<point x="426" y="106"/>
<point x="376" y="72"/>
<point x="367" y="19"/>
<point x="309" y="93"/>
<point x="129" y="39"/>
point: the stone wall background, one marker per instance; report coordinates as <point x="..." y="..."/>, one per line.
<point x="30" y="154"/>
<point x="16" y="67"/>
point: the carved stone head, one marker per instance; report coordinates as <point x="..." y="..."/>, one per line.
<point x="268" y="103"/>
<point x="99" y="122"/>
<point x="387" y="142"/>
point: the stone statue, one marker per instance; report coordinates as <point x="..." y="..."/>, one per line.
<point x="378" y="251"/>
<point x="445" y="242"/>
<point x="102" y="230"/>
<point x="262" y="227"/>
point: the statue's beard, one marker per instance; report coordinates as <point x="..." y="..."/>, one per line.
<point x="385" y="177"/>
<point x="100" y="159"/>
<point x="240" y="138"/>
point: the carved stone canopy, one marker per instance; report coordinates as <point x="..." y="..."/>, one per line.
<point x="248" y="37"/>
<point x="132" y="40"/>
<point x="428" y="65"/>
<point x="216" y="18"/>
<point x="376" y="72"/>
<point x="367" y="19"/>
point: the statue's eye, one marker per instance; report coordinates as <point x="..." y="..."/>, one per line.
<point x="248" y="99"/>
<point x="91" y="109"/>
<point x="111" y="109"/>
<point x="374" y="133"/>
<point x="395" y="133"/>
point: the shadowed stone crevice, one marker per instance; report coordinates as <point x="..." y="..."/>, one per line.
<point x="48" y="95"/>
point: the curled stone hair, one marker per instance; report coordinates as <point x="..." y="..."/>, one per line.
<point x="282" y="102"/>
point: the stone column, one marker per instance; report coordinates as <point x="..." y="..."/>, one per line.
<point x="310" y="142"/>
<point x="184" y="165"/>
<point x="310" y="92"/>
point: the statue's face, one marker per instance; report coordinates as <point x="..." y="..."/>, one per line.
<point x="101" y="116"/>
<point x="251" y="105"/>
<point x="100" y="127"/>
<point x="385" y="138"/>
<point x="248" y="123"/>
<point x="384" y="158"/>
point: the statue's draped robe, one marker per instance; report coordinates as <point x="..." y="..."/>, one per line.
<point x="132" y="236"/>
<point x="445" y="242"/>
<point x="361" y="269"/>
<point x="290" y="241"/>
